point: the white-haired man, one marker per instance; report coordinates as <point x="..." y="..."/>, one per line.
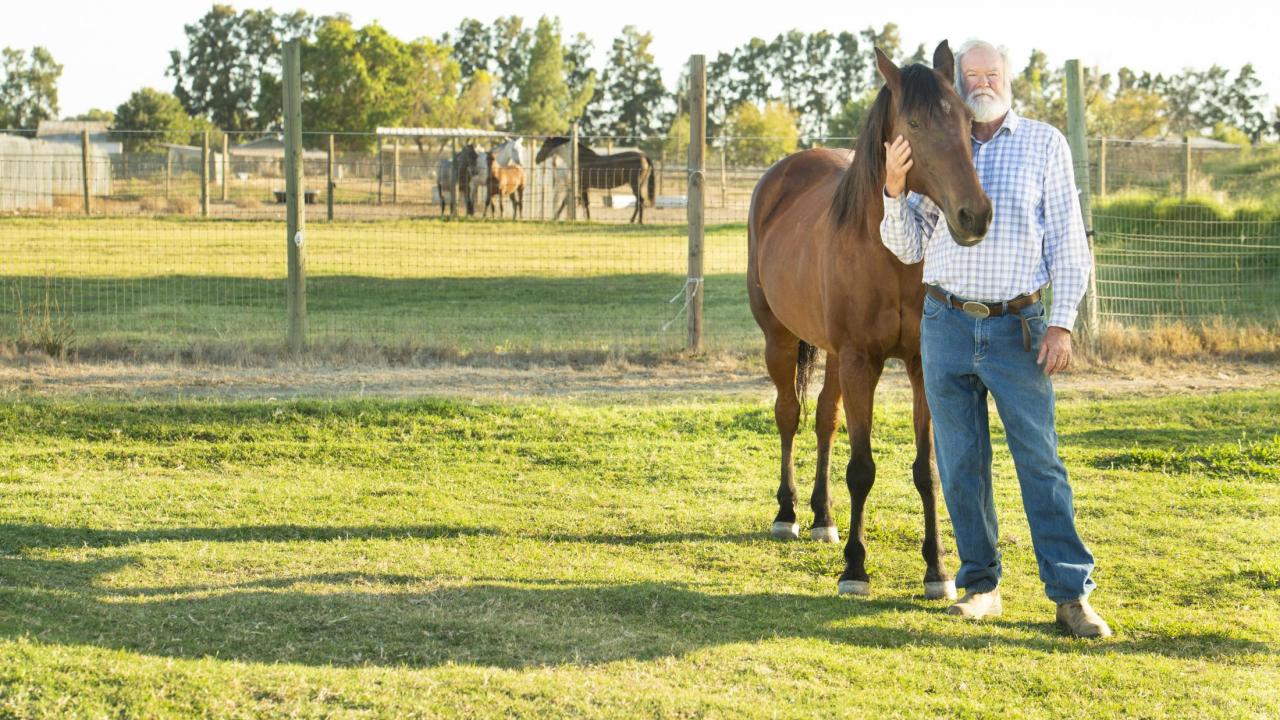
<point x="984" y="331"/>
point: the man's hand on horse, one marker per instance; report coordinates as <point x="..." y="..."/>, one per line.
<point x="897" y="162"/>
<point x="1055" y="350"/>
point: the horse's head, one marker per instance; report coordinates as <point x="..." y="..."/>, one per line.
<point x="550" y="146"/>
<point x="928" y="112"/>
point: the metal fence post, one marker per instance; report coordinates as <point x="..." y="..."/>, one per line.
<point x="1088" y="319"/>
<point x="204" y="175"/>
<point x="295" y="212"/>
<point x="1102" y="167"/>
<point x="85" y="170"/>
<point x="696" y="197"/>
<point x="1186" y="166"/>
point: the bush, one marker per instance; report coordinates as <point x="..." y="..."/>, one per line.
<point x="153" y="204"/>
<point x="182" y="206"/>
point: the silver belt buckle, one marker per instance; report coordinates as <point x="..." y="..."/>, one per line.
<point x="976" y="310"/>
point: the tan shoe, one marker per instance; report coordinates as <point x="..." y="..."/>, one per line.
<point x="977" y="605"/>
<point x="1081" y="620"/>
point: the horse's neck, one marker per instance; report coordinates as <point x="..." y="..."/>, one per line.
<point x="868" y="202"/>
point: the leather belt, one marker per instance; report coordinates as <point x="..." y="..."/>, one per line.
<point x="981" y="310"/>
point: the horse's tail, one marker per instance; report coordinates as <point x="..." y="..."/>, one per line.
<point x="652" y="173"/>
<point x="806" y="361"/>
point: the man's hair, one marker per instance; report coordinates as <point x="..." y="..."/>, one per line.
<point x="982" y="44"/>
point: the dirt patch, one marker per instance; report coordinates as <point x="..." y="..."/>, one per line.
<point x="722" y="378"/>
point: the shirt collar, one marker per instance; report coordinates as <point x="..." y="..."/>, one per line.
<point x="1011" y="122"/>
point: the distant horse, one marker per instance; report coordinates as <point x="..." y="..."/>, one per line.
<point x="464" y="164"/>
<point x="480" y="178"/>
<point x="510" y="152"/>
<point x="504" y="182"/>
<point x="819" y="277"/>
<point x="604" y="172"/>
<point x="447" y="185"/>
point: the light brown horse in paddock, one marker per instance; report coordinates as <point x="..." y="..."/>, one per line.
<point x="819" y="277"/>
<point x="504" y="181"/>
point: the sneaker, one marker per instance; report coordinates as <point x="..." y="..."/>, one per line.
<point x="1081" y="620"/>
<point x="976" y="605"/>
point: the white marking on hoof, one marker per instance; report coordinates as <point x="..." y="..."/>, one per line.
<point x="861" y="588"/>
<point x="825" y="534"/>
<point x="786" y="531"/>
<point x="945" y="589"/>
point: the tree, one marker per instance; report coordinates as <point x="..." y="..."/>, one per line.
<point x="230" y="72"/>
<point x="580" y="78"/>
<point x="512" y="44"/>
<point x="633" y="86"/>
<point x="28" y="87"/>
<point x="760" y="138"/>
<point x="359" y="80"/>
<point x="545" y="105"/>
<point x="848" y="123"/>
<point x="472" y="47"/>
<point x="96" y="115"/>
<point x="151" y="117"/>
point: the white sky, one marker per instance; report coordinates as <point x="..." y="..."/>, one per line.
<point x="109" y="49"/>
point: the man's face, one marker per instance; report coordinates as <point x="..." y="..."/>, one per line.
<point x="982" y="72"/>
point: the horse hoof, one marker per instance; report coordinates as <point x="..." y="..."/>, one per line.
<point x="860" y="588"/>
<point x="942" y="590"/>
<point x="786" y="531"/>
<point x="825" y="534"/>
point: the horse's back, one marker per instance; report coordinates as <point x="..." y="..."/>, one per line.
<point x="788" y="229"/>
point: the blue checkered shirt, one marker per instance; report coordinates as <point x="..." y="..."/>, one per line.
<point x="1036" y="235"/>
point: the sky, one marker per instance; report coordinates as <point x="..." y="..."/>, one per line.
<point x="108" y="50"/>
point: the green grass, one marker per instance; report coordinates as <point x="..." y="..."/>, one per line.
<point x="450" y="558"/>
<point x="464" y="285"/>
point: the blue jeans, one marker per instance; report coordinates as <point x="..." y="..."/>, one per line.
<point x="964" y="359"/>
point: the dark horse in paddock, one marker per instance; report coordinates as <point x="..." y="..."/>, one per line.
<point x="819" y="277"/>
<point x="603" y="172"/>
<point x="464" y="166"/>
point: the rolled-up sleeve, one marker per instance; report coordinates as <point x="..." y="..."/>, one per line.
<point x="907" y="225"/>
<point x="1066" y="249"/>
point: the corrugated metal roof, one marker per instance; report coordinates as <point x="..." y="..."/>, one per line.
<point x="70" y="127"/>
<point x="441" y="132"/>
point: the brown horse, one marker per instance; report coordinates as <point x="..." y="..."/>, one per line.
<point x="818" y="276"/>
<point x="505" y="181"/>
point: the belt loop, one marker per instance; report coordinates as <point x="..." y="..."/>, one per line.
<point x="1004" y="307"/>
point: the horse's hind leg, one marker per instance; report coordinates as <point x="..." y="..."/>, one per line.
<point x="859" y="374"/>
<point x="781" y="350"/>
<point x="824" y="528"/>
<point x="924" y="471"/>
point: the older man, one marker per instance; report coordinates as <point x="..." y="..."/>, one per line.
<point x="985" y="330"/>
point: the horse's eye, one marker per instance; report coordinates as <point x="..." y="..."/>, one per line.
<point x="914" y="125"/>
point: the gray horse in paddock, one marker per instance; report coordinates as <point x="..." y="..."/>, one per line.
<point x="447" y="185"/>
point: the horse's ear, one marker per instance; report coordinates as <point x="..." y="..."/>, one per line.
<point x="944" y="62"/>
<point x="890" y="72"/>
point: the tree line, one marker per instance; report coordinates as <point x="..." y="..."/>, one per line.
<point x="530" y="78"/>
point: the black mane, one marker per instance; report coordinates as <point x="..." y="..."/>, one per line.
<point x="862" y="182"/>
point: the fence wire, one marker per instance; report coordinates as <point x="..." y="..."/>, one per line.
<point x="184" y="248"/>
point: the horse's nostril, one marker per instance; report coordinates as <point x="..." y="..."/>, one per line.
<point x="966" y="219"/>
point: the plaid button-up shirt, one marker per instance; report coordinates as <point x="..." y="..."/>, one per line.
<point x="1037" y="234"/>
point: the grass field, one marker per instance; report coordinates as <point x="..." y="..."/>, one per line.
<point x="373" y="558"/>
<point x="157" y="286"/>
<point x="464" y="285"/>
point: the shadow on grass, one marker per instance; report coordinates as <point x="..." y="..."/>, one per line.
<point x="358" y="618"/>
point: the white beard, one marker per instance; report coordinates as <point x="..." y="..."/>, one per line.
<point x="987" y="108"/>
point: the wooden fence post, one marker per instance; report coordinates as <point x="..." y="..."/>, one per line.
<point x="168" y="171"/>
<point x="395" y="171"/>
<point x="295" y="212"/>
<point x="379" y="168"/>
<point x="575" y="184"/>
<point x="1102" y="167"/>
<point x="328" y="199"/>
<point x="724" y="173"/>
<point x="1186" y="166"/>
<point x="85" y="169"/>
<point x="204" y="175"/>
<point x="226" y="166"/>
<point x="693" y="288"/>
<point x="1088" y="317"/>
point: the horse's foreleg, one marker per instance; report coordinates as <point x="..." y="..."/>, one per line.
<point x="859" y="374"/>
<point x="924" y="471"/>
<point x="824" y="527"/>
<point x="586" y="203"/>
<point x="781" y="351"/>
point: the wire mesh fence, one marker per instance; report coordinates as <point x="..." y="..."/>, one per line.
<point x="184" y="242"/>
